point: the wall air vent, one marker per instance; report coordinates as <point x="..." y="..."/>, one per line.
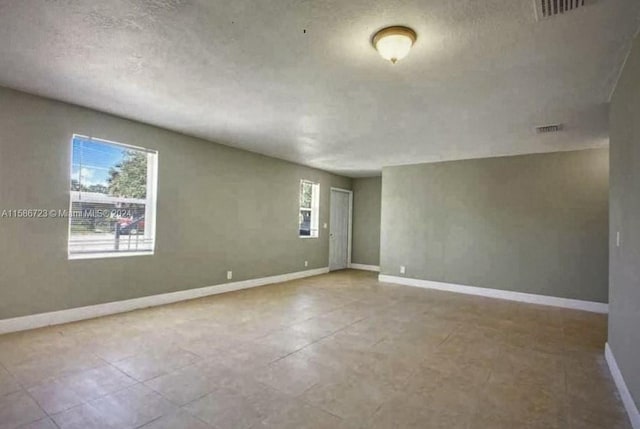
<point x="545" y="129"/>
<point x="548" y="8"/>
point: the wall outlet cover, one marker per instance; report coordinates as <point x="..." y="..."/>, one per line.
<point x="229" y="275"/>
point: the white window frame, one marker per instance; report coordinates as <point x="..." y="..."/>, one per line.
<point x="315" y="209"/>
<point x="150" y="203"/>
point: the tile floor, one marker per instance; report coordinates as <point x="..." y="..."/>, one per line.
<point x="333" y="351"/>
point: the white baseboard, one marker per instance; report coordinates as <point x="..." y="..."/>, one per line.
<point x="74" y="314"/>
<point x="627" y="399"/>
<point x="595" y="307"/>
<point x="364" y="267"/>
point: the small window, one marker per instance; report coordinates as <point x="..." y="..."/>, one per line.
<point x="113" y="199"/>
<point x="309" y="208"/>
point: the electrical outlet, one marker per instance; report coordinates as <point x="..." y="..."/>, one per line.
<point x="306" y="263"/>
<point x="618" y="239"/>
<point x="403" y="269"/>
<point x="229" y="275"/>
<point x="325" y="225"/>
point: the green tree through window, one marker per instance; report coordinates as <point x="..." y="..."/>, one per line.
<point x="129" y="178"/>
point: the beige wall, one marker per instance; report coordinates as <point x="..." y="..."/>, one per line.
<point x="624" y="280"/>
<point x="366" y="220"/>
<point x="533" y="223"/>
<point x="219" y="209"/>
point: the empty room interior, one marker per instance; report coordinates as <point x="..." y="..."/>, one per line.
<point x="319" y="214"/>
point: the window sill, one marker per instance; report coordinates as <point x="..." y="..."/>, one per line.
<point x="108" y="255"/>
<point x="307" y="236"/>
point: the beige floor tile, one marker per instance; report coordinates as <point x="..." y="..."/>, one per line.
<point x="592" y="390"/>
<point x="55" y="396"/>
<point x="66" y="392"/>
<point x="425" y="381"/>
<point x="318" y="328"/>
<point x="46" y="367"/>
<point x="534" y="338"/>
<point x="114" y="350"/>
<point x="18" y="409"/>
<point x="293" y="374"/>
<point x="521" y="366"/>
<point x="299" y="415"/>
<point x="462" y="364"/>
<point x="211" y="346"/>
<point x="135" y="405"/>
<point x="527" y="404"/>
<point x="597" y="418"/>
<point x="239" y="406"/>
<point x="8" y="384"/>
<point x="178" y="420"/>
<point x="152" y="363"/>
<point x="20" y="347"/>
<point x="250" y="356"/>
<point x="122" y="346"/>
<point x="195" y="329"/>
<point x="288" y="340"/>
<point x="46" y="423"/>
<point x="479" y="351"/>
<point x="190" y="383"/>
<point x="129" y="408"/>
<point x="96" y="382"/>
<point x="363" y="333"/>
<point x="412" y="412"/>
<point x="353" y="398"/>
<point x="344" y="315"/>
<point x="499" y="421"/>
<point x="413" y="353"/>
<point x="338" y="351"/>
<point x="86" y="417"/>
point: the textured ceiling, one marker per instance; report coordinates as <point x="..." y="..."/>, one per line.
<point x="299" y="80"/>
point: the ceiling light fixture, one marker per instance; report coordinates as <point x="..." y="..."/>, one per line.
<point x="394" y="43"/>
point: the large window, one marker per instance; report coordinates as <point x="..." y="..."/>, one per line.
<point x="113" y="199"/>
<point x="309" y="208"/>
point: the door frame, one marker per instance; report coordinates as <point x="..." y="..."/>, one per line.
<point x="350" y="232"/>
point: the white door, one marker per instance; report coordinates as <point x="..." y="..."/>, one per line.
<point x="339" y="232"/>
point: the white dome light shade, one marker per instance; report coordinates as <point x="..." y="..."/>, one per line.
<point x="394" y="43"/>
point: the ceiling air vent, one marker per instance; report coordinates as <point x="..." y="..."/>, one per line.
<point x="549" y="129"/>
<point x="548" y="8"/>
